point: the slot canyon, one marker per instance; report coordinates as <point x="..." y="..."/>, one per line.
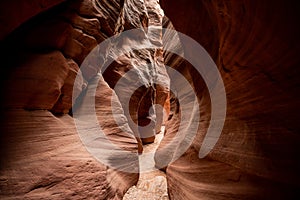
<point x="88" y="85"/>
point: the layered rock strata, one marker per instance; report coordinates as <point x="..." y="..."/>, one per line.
<point x="254" y="45"/>
<point x="48" y="79"/>
<point x="41" y="153"/>
<point x="139" y="76"/>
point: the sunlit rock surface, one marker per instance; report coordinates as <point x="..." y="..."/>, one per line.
<point x="139" y="77"/>
<point x="42" y="155"/>
<point x="255" y="45"/>
<point x="152" y="185"/>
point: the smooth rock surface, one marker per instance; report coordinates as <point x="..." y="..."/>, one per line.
<point x="254" y="45"/>
<point x="210" y="179"/>
<point x="37" y="82"/>
<point x="42" y="157"/>
<point x="70" y="89"/>
<point x="12" y="17"/>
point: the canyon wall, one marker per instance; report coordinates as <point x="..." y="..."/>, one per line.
<point x="255" y="46"/>
<point x="43" y="47"/>
<point x="54" y="88"/>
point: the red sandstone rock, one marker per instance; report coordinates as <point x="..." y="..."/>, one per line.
<point x="70" y="89"/>
<point x="52" y="34"/>
<point x="255" y="51"/>
<point x="145" y="80"/>
<point x="106" y="12"/>
<point x="37" y="82"/>
<point x="15" y="12"/>
<point x="210" y="179"/>
<point x="79" y="45"/>
<point x="42" y="157"/>
<point x="91" y="26"/>
<point x="253" y="43"/>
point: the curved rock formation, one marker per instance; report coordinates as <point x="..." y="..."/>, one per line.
<point x="14" y="13"/>
<point x="44" y="46"/>
<point x="42" y="157"/>
<point x="49" y="75"/>
<point x="41" y="153"/>
<point x="254" y="45"/>
<point x="139" y="77"/>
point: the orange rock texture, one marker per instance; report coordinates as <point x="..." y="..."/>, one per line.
<point x="42" y="155"/>
<point x="255" y="46"/>
<point x="46" y="81"/>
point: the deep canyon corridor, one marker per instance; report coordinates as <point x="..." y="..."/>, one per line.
<point x="150" y="99"/>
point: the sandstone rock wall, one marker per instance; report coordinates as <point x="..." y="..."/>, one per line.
<point x="146" y="80"/>
<point x="42" y="155"/>
<point x="14" y="13"/>
<point x="254" y="45"/>
<point x="47" y="79"/>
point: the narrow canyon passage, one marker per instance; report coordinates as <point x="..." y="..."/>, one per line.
<point x="87" y="85"/>
<point x="152" y="184"/>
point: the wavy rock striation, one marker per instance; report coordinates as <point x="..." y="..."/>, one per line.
<point x="139" y="77"/>
<point x="41" y="153"/>
<point x="254" y="44"/>
<point x="256" y="53"/>
<point x="48" y="79"/>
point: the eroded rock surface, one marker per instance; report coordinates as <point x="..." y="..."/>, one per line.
<point x="42" y="156"/>
<point x="152" y="185"/>
<point x="139" y="76"/>
<point x="14" y="13"/>
<point x="47" y="81"/>
<point x="255" y="45"/>
<point x="255" y="51"/>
